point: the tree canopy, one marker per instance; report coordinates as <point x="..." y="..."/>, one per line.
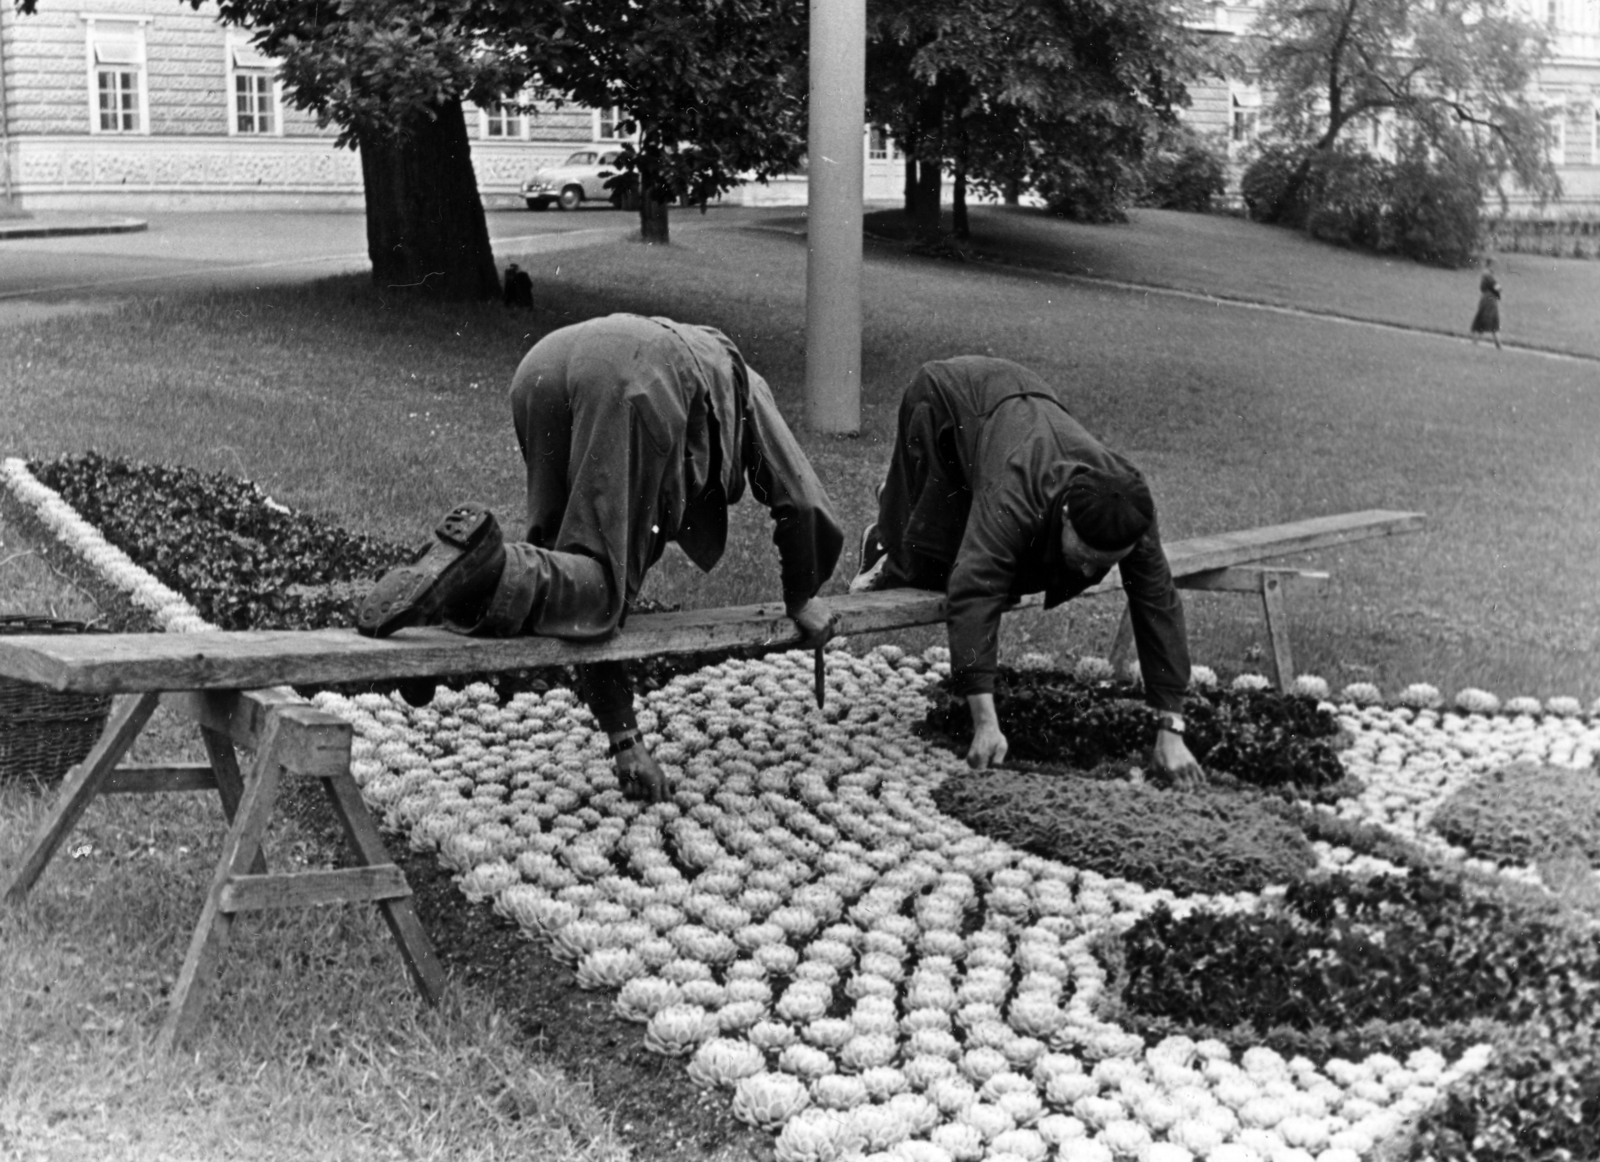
<point x="1059" y="94"/>
<point x="716" y="89"/>
<point x="1456" y="76"/>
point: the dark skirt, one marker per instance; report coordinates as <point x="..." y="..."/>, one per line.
<point x="1487" y="320"/>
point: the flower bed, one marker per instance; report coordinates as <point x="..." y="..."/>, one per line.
<point x="866" y="975"/>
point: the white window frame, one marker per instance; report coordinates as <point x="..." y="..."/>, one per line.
<point x="117" y="36"/>
<point x="486" y="116"/>
<point x="611" y="117"/>
<point x="243" y="59"/>
<point x="1244" y="109"/>
<point x="1555" y="120"/>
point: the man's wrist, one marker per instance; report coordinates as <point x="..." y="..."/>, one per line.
<point x="1170" y="722"/>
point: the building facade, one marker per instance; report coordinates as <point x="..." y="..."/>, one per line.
<point x="1568" y="85"/>
<point x="149" y="104"/>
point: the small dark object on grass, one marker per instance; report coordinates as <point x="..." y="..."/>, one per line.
<point x="519" y="288"/>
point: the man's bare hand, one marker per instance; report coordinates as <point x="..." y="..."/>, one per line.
<point x="817" y="624"/>
<point x="642" y="778"/>
<point x="1173" y="760"/>
<point x="989" y="746"/>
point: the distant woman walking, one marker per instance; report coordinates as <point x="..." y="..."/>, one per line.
<point x="1487" y="320"/>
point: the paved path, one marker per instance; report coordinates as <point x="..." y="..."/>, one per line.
<point x="44" y="276"/>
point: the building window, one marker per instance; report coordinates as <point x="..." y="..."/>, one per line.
<point x="608" y="125"/>
<point x="1555" y="124"/>
<point x="1246" y="120"/>
<point x="503" y="121"/>
<point x="255" y="95"/>
<point x="877" y="144"/>
<point x="116" y="76"/>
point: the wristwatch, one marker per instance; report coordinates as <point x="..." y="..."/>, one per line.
<point x="1170" y="722"/>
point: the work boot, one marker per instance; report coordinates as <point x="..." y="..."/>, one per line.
<point x="460" y="568"/>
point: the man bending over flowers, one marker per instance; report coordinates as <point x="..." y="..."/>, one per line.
<point x="994" y="491"/>
<point x="636" y="432"/>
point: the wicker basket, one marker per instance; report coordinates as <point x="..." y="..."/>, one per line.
<point x="43" y="733"/>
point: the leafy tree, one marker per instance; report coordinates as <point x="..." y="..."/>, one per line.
<point x="715" y="88"/>
<point x="1455" y="75"/>
<point x="392" y="74"/>
<point x="1060" y="94"/>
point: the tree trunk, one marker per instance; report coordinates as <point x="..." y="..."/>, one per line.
<point x="911" y="188"/>
<point x="958" y="206"/>
<point x="1013" y="194"/>
<point x="652" y="198"/>
<point x="925" y="216"/>
<point x="425" y="224"/>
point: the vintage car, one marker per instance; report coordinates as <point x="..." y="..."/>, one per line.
<point x="581" y="178"/>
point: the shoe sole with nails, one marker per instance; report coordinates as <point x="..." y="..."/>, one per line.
<point x="465" y="542"/>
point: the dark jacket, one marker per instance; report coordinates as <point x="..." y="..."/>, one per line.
<point x="638" y="432"/>
<point x="1003" y="446"/>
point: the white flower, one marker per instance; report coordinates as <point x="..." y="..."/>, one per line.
<point x="1093" y="669"/>
<point x="952" y="1094"/>
<point x="1361" y="694"/>
<point x="805" y="1061"/>
<point x="865" y="1051"/>
<point x="676" y="1030"/>
<point x="1126" y="1139"/>
<point x="964" y="1143"/>
<point x="884" y="1082"/>
<point x="1023" y="1143"/>
<point x="1310" y="686"/>
<point x="1196" y="1136"/>
<point x="1083" y="1150"/>
<point x="988" y="1119"/>
<point x="609" y="968"/>
<point x="879" y="1126"/>
<point x="1168" y="1152"/>
<point x="1475" y="701"/>
<point x="1420" y="696"/>
<point x="839" y="1091"/>
<point x="726" y="1062"/>
<point x="768" y="1100"/>
<point x="1248" y="682"/>
<point x="1202" y="677"/>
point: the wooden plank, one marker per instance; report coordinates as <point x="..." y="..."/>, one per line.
<point x="1277" y="615"/>
<point x="314" y="744"/>
<point x="416" y="950"/>
<point x="81" y="784"/>
<point x="239" y="852"/>
<point x="230" y="782"/>
<point x="313" y="888"/>
<point x="272" y="658"/>
<point x="147" y="778"/>
<point x="1246" y="579"/>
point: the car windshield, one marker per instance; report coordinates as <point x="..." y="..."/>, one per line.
<point x="581" y="158"/>
<point x="609" y="158"/>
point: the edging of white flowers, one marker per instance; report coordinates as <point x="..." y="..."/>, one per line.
<point x="171" y="611"/>
<point x="805" y="831"/>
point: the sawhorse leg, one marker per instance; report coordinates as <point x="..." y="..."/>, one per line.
<point x="82" y="784"/>
<point x="297" y="741"/>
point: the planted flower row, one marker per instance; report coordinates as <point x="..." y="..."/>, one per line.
<point x="870" y="976"/>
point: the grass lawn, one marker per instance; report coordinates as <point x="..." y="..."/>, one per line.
<point x="1548" y="303"/>
<point x="383" y="414"/>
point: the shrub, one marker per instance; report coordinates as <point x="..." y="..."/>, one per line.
<point x="1523" y="813"/>
<point x="244" y="562"/>
<point x="1436" y="211"/>
<point x="1346" y="198"/>
<point x="1265" y="184"/>
<point x="1341" y="960"/>
<point x="1185" y="171"/>
<point x="1087" y="189"/>
<point x="1205" y="840"/>
<point x="1260" y="737"/>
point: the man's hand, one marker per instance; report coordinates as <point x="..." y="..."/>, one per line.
<point x="816" y="622"/>
<point x="642" y="778"/>
<point x="989" y="746"/>
<point x="1172" y="759"/>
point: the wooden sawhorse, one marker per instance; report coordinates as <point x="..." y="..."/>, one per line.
<point x="1263" y="581"/>
<point x="291" y="739"/>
